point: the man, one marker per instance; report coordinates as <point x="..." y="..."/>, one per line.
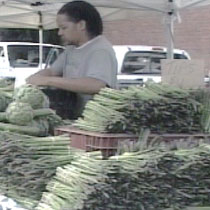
<point x="88" y="63"/>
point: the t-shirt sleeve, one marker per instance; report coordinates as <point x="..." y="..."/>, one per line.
<point x="58" y="66"/>
<point x="101" y="65"/>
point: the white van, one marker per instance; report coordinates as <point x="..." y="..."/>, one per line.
<point x="18" y="60"/>
<point x="137" y="64"/>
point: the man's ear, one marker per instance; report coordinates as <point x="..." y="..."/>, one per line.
<point x="82" y="25"/>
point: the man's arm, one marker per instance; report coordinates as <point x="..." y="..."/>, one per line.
<point x="44" y="72"/>
<point x="81" y="85"/>
<point x="40" y="77"/>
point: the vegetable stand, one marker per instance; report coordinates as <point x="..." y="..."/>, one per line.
<point x="102" y="154"/>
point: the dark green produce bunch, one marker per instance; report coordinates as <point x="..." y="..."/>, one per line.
<point x="54" y="121"/>
<point x="32" y="95"/>
<point x="21" y="118"/>
<point x="5" y="99"/>
<point x="42" y="124"/>
<point x="203" y="96"/>
<point x="5" y="82"/>
<point x="20" y="113"/>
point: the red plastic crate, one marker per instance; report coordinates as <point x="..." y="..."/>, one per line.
<point x="108" y="143"/>
<point x="92" y="141"/>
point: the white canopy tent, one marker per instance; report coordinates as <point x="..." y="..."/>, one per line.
<point x="40" y="14"/>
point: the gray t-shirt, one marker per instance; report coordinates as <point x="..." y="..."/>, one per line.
<point x="95" y="59"/>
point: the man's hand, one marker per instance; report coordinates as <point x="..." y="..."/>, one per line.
<point x="41" y="78"/>
<point x="38" y="80"/>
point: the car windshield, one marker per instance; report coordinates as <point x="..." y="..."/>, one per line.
<point x="143" y="62"/>
<point x="27" y="55"/>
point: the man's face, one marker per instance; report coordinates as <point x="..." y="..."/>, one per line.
<point x="68" y="31"/>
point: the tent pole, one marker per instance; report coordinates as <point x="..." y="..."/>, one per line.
<point x="170" y="32"/>
<point x="170" y="24"/>
<point x="40" y="46"/>
<point x="40" y="40"/>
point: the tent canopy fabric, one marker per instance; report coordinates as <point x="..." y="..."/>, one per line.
<point x="41" y="13"/>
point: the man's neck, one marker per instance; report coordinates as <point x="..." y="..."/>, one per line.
<point x="84" y="39"/>
<point x="87" y="42"/>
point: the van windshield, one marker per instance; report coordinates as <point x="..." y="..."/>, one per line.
<point x="144" y="62"/>
<point x="27" y="55"/>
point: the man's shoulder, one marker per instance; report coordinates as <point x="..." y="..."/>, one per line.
<point x="101" y="44"/>
<point x="102" y="41"/>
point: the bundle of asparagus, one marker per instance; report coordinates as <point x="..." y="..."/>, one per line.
<point x="28" y="163"/>
<point x="161" y="108"/>
<point x="74" y="183"/>
<point x="152" y="178"/>
<point x="203" y="96"/>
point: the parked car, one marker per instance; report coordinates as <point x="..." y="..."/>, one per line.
<point x="137" y="64"/>
<point x="18" y="60"/>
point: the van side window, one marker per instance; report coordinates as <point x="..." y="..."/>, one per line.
<point x="23" y="56"/>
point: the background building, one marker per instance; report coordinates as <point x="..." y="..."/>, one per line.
<point x="192" y="34"/>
